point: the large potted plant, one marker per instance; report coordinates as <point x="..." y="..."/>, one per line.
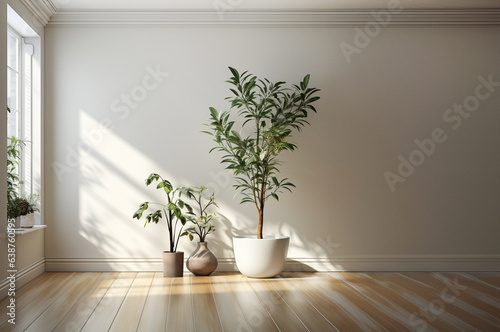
<point x="201" y="262"/>
<point x="172" y="212"/>
<point x="267" y="115"/>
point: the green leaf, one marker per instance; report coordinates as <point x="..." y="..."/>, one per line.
<point x="152" y="177"/>
<point x="143" y="207"/>
<point x="313" y="99"/>
<point x="305" y="82"/>
<point x="214" y="113"/>
<point x="275" y="180"/>
<point x="182" y="219"/>
<point x="235" y="73"/>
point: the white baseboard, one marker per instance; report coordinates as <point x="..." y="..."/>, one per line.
<point x="347" y="263"/>
<point x="23" y="276"/>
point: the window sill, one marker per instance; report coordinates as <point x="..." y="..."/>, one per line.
<point x="22" y="231"/>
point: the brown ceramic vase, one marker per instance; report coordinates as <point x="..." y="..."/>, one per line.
<point x="202" y="261"/>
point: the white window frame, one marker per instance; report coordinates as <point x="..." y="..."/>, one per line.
<point x="17" y="71"/>
<point x="30" y="106"/>
<point x="24" y="109"/>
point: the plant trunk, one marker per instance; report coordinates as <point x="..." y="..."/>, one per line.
<point x="261" y="212"/>
<point x="170" y="232"/>
<point x="261" y="222"/>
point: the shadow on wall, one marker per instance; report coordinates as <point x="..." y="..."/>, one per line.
<point x="121" y="241"/>
<point x="117" y="240"/>
<point x="108" y="186"/>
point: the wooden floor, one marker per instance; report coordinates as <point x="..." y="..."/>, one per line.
<point x="230" y="302"/>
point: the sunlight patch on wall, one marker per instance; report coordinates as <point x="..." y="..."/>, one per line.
<point x="111" y="188"/>
<point x="111" y="175"/>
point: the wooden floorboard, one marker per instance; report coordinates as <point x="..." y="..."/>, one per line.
<point x="109" y="305"/>
<point x="293" y="301"/>
<point x="308" y="314"/>
<point x="254" y="311"/>
<point x="395" y="299"/>
<point x="40" y="303"/>
<point x="48" y="320"/>
<point x="129" y="315"/>
<point x="468" y="305"/>
<point x="180" y="307"/>
<point x="376" y="318"/>
<point x="154" y="315"/>
<point x="205" y="311"/>
<point x="28" y="292"/>
<point x="284" y="317"/>
<point x="230" y="314"/>
<point x="80" y="312"/>
<point x="332" y="311"/>
<point x="430" y="302"/>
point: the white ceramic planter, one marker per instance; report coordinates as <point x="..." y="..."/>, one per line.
<point x="26" y="221"/>
<point x="260" y="258"/>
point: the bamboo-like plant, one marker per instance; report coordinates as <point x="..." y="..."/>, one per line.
<point x="273" y="111"/>
<point x="171" y="211"/>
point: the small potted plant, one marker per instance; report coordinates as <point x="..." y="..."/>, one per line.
<point x="202" y="262"/>
<point x="172" y="212"/>
<point x="268" y="113"/>
<point x="20" y="208"/>
<point x="23" y="209"/>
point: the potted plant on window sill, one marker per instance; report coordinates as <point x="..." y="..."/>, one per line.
<point x="202" y="262"/>
<point x="172" y="211"/>
<point x="23" y="209"/>
<point x="20" y="208"/>
<point x="273" y="112"/>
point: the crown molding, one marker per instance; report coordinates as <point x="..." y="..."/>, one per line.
<point x="266" y="5"/>
<point x="41" y="9"/>
<point x="407" y="17"/>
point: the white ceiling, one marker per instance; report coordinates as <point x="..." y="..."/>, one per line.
<point x="264" y="5"/>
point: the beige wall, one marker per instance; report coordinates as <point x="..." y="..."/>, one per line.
<point x="343" y="213"/>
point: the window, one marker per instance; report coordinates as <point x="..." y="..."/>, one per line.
<point x="13" y="85"/>
<point x="19" y="95"/>
<point x="24" y="100"/>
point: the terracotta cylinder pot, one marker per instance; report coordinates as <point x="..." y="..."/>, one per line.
<point x="202" y="261"/>
<point x="173" y="264"/>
